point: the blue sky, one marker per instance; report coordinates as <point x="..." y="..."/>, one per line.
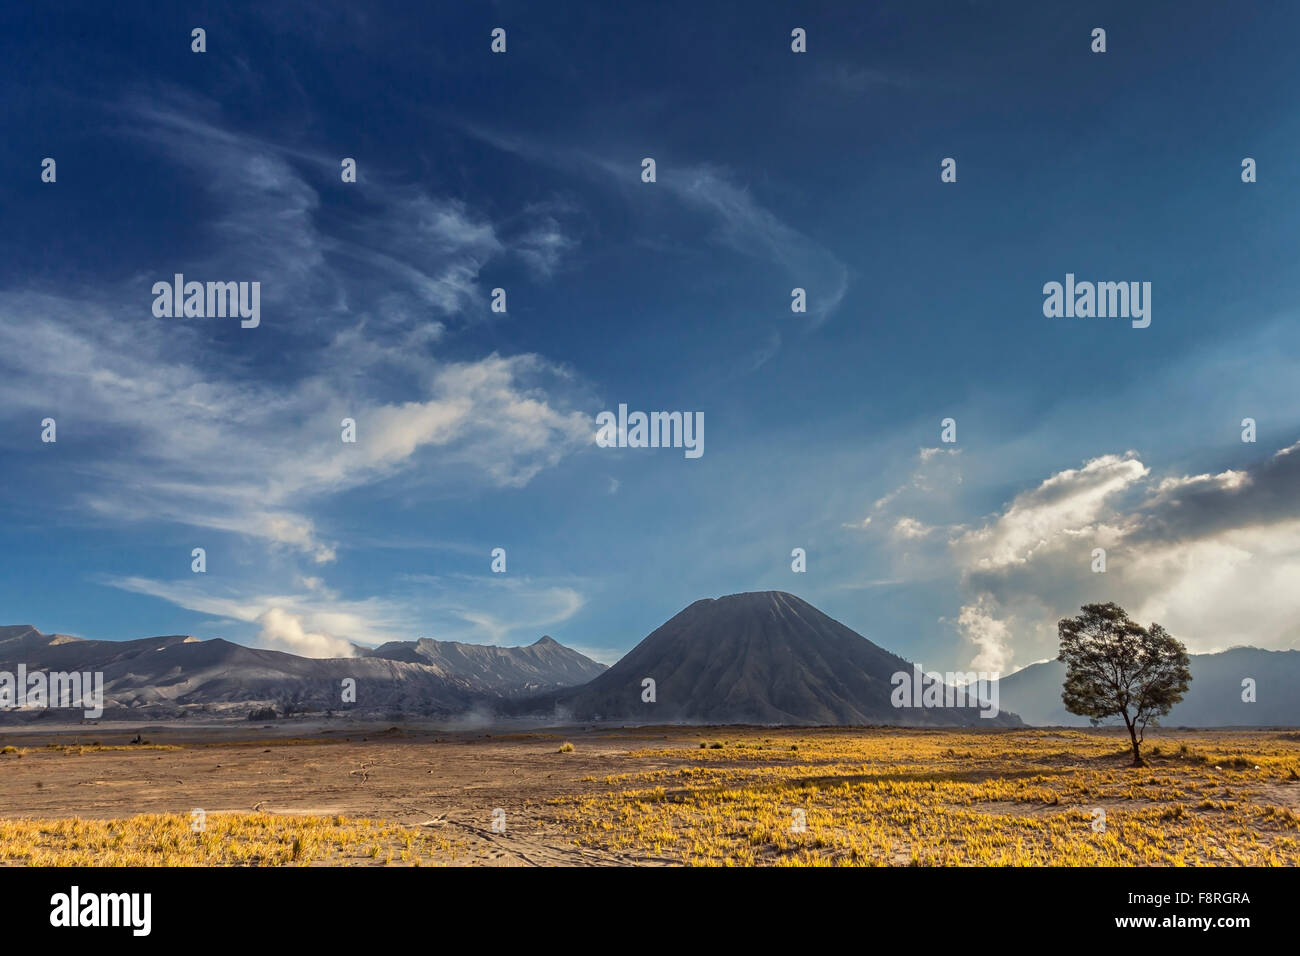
<point x="522" y="171"/>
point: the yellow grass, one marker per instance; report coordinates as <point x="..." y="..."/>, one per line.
<point x="898" y="797"/>
<point x="234" y="839"/>
<point x="78" y="749"/>
<point x="816" y="797"/>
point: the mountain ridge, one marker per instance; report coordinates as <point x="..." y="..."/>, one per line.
<point x="546" y="664"/>
<point x="178" y="675"/>
<point x="1213" y="699"/>
<point x="765" y="657"/>
<point x="762" y="657"/>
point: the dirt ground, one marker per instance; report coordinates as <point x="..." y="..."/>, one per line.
<point x="412" y="776"/>
<point x="652" y="796"/>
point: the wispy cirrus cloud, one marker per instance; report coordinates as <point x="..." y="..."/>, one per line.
<point x="739" y="220"/>
<point x="114" y="374"/>
<point x="177" y="420"/>
<point x="155" y="384"/>
<point x="755" y="231"/>
<point x="934" y="475"/>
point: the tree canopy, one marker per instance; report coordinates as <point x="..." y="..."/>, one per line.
<point x="1117" y="668"/>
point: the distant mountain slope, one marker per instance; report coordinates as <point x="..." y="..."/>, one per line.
<point x="763" y="657"/>
<point x="509" y="671"/>
<point x="168" y="676"/>
<point x="61" y="652"/>
<point x="173" y="675"/>
<point x="1213" y="699"/>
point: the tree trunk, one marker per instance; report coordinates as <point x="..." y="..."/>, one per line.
<point x="1137" y="753"/>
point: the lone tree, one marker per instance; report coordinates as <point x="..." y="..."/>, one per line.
<point x="1117" y="668"/>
